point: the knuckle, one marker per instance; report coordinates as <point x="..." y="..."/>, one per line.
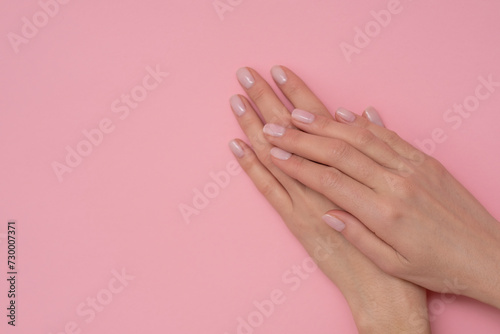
<point x="405" y="188"/>
<point x="267" y="189"/>
<point x="389" y="212"/>
<point x="330" y="178"/>
<point x="404" y="168"/>
<point x="436" y="172"/>
<point x="392" y="138"/>
<point x="339" y="150"/>
<point x="258" y="93"/>
<point x="435" y="166"/>
<point x="363" y="137"/>
<point x="417" y="158"/>
<point x="401" y="186"/>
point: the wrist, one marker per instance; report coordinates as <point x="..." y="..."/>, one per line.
<point x="484" y="284"/>
<point x="402" y="309"/>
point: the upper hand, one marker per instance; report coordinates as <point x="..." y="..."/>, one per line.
<point x="418" y="222"/>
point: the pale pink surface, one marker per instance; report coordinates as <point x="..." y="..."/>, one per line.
<point x="120" y="207"/>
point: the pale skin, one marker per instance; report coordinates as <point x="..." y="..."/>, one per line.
<point x="414" y="220"/>
<point x="380" y="303"/>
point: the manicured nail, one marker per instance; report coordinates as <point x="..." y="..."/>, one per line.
<point x="245" y="78"/>
<point x="373" y="116"/>
<point x="274" y="130"/>
<point x="302" y="116"/>
<point x="278" y="74"/>
<point x="334" y="222"/>
<point x="236" y="148"/>
<point x="280" y="154"/>
<point x="237" y="105"/>
<point x="346" y="115"/>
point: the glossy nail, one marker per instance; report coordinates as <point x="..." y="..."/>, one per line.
<point x="274" y="130"/>
<point x="302" y="116"/>
<point x="237" y="105"/>
<point x="372" y="115"/>
<point x="278" y="74"/>
<point x="345" y="114"/>
<point x="333" y="222"/>
<point x="236" y="148"/>
<point x="280" y="154"/>
<point x="245" y="78"/>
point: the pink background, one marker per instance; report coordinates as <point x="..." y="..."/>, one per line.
<point x="119" y="209"/>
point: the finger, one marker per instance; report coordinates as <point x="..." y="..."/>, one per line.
<point x="360" y="138"/>
<point x="297" y="92"/>
<point x="368" y="243"/>
<point x="373" y="116"/>
<point x="263" y="96"/>
<point x="251" y="125"/>
<point x="265" y="182"/>
<point x="339" y="188"/>
<point x="391" y="138"/>
<point x="328" y="151"/>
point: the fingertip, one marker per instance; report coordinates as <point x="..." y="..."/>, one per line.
<point x="236" y="148"/>
<point x="373" y="116"/>
<point x="280" y="154"/>
<point x="344" y="115"/>
<point x="279" y="74"/>
<point x="333" y="221"/>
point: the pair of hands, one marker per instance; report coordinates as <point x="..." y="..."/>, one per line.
<point x="397" y="215"/>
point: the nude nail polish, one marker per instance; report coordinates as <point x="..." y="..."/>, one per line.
<point x="278" y="74"/>
<point x="373" y="116"/>
<point x="302" y="116"/>
<point x="237" y="105"/>
<point x="345" y="114"/>
<point x="334" y="222"/>
<point x="274" y="130"/>
<point x="280" y="154"/>
<point x="245" y="77"/>
<point x="236" y="148"/>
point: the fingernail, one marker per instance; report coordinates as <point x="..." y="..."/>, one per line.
<point x="333" y="222"/>
<point x="237" y="105"/>
<point x="280" y="154"/>
<point x="373" y="116"/>
<point x="346" y="115"/>
<point x="236" y="148"/>
<point x="302" y="116"/>
<point x="278" y="74"/>
<point x="245" y="78"/>
<point x="274" y="130"/>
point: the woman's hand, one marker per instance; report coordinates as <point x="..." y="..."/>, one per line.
<point x="418" y="222"/>
<point x="371" y="294"/>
